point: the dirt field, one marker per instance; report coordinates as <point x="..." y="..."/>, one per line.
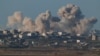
<point x="47" y="52"/>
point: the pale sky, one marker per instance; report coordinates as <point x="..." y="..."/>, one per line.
<point x="31" y="8"/>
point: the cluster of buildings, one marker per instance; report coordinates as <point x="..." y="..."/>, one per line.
<point x="19" y="39"/>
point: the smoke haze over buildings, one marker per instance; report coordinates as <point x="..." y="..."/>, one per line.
<point x="70" y="20"/>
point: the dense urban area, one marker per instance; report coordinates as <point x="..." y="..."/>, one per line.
<point x="18" y="39"/>
<point x="49" y="42"/>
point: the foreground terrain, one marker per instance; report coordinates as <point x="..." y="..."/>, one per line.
<point x="47" y="52"/>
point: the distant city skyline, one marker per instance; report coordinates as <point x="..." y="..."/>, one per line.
<point x="32" y="8"/>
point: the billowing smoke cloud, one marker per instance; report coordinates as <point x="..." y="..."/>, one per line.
<point x="69" y="16"/>
<point x="28" y="24"/>
<point x="85" y="25"/>
<point x="42" y="22"/>
<point x="70" y="20"/>
<point x="15" y="19"/>
<point x="73" y="21"/>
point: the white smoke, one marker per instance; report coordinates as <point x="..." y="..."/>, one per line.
<point x="15" y="19"/>
<point x="42" y="22"/>
<point x="71" y="20"/>
<point x="28" y="24"/>
<point x="85" y="25"/>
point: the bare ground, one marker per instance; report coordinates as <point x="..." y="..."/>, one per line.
<point x="47" y="52"/>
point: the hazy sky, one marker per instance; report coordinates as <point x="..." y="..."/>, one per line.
<point x="31" y="8"/>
